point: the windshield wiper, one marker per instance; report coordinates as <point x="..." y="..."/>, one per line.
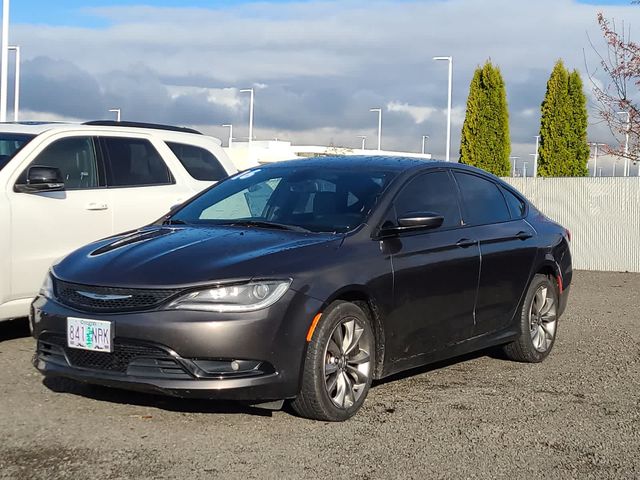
<point x="266" y="224"/>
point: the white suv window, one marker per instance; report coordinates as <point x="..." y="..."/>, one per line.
<point x="134" y="162"/>
<point x="76" y="159"/>
<point x="10" y="144"/>
<point x="199" y="162"/>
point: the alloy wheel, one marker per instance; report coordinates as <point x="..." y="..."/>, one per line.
<point x="347" y="365"/>
<point x="543" y="319"/>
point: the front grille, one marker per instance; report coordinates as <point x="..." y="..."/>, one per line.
<point x="110" y="299"/>
<point x="126" y="354"/>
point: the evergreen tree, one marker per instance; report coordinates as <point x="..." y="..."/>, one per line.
<point x="564" y="151"/>
<point x="579" y="123"/>
<point x="485" y="139"/>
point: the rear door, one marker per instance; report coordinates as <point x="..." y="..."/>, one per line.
<point x="507" y="248"/>
<point x="48" y="225"/>
<point x="141" y="186"/>
<point x="435" y="272"/>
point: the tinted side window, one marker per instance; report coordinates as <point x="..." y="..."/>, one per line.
<point x="482" y="201"/>
<point x="134" y="162"/>
<point x="199" y="162"/>
<point x="516" y="206"/>
<point x="431" y="192"/>
<point x="76" y="159"/>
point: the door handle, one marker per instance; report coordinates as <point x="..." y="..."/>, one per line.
<point x="96" y="206"/>
<point x="465" y="242"/>
<point x="523" y="235"/>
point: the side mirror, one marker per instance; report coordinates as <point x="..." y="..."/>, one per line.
<point x="413" y="221"/>
<point x="42" y="179"/>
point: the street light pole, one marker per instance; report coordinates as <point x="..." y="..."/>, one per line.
<point x="117" y="111"/>
<point x="250" y="90"/>
<point x="513" y="170"/>
<point x="379" y="110"/>
<point x="450" y="60"/>
<point x="535" y="157"/>
<point x="230" y="133"/>
<point x="16" y="88"/>
<point x="424" y="140"/>
<point x="4" y="60"/>
<point x="364" y="141"/>
<point x="627" y="165"/>
<point x="524" y="170"/>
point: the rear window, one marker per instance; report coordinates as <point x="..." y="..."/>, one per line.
<point x="199" y="162"/>
<point x="517" y="207"/>
<point x="10" y="144"/>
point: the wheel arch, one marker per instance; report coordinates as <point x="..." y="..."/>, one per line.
<point x="360" y="296"/>
<point x="549" y="267"/>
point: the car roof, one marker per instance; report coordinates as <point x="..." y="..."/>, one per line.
<point x="36" y="128"/>
<point x="368" y="162"/>
<point x="373" y="162"/>
<point x="33" y="128"/>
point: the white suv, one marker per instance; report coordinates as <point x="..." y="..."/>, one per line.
<point x="65" y="185"/>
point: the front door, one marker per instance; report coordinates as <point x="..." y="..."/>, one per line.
<point x="47" y="226"/>
<point x="435" y="273"/>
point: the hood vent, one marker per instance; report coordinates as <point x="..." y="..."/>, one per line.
<point x="136" y="237"/>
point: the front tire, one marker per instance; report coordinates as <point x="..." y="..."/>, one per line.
<point x="538" y="323"/>
<point x="338" y="366"/>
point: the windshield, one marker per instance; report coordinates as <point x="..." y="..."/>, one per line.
<point x="10" y="144"/>
<point x="315" y="199"/>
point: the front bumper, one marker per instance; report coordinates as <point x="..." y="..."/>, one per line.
<point x="162" y="351"/>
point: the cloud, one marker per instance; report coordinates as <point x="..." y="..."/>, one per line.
<point x="317" y="66"/>
<point x="419" y="114"/>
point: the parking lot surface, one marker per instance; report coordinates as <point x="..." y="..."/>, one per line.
<point x="577" y="415"/>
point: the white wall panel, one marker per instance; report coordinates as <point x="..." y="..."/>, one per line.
<point x="602" y="213"/>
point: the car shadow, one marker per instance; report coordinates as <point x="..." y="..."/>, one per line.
<point x="13" y="329"/>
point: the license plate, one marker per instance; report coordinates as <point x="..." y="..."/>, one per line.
<point x="96" y="335"/>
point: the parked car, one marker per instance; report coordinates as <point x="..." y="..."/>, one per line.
<point x="306" y="280"/>
<point x="65" y="185"/>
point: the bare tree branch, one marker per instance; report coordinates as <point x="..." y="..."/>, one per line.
<point x="620" y="66"/>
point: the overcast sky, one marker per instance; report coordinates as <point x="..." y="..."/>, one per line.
<point x="317" y="66"/>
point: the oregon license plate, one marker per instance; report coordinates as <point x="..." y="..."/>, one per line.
<point x="96" y="335"/>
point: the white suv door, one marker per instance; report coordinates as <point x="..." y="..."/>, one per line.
<point x="141" y="186"/>
<point x="46" y="226"/>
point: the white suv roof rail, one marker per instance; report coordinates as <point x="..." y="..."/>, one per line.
<point x="154" y="126"/>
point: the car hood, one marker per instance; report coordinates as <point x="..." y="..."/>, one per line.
<point x="184" y="256"/>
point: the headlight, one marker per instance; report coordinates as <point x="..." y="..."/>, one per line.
<point x="47" y="287"/>
<point x="246" y="297"/>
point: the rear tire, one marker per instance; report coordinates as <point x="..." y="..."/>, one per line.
<point x="538" y="322"/>
<point x="338" y="366"/>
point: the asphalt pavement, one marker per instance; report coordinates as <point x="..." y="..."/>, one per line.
<point x="577" y="415"/>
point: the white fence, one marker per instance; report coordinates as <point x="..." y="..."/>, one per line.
<point x="602" y="213"/>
